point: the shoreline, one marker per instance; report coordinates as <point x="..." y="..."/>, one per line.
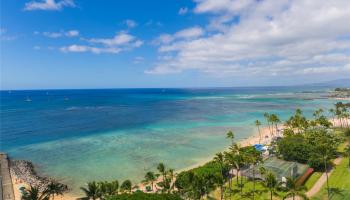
<point x="251" y="140"/>
<point x="19" y="182"/>
<point x="266" y="138"/>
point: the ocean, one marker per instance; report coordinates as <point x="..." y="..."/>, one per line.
<point x="78" y="136"/>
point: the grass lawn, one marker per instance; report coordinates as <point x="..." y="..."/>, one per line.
<point x="312" y="180"/>
<point x="261" y="192"/>
<point x="339" y="181"/>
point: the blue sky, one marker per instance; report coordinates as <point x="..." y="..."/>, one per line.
<point x="156" y="43"/>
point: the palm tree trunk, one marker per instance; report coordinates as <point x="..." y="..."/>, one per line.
<point x="230" y="182"/>
<point x="241" y="186"/>
<point x="276" y="128"/>
<point x="271" y="194"/>
<point x="221" y="186"/>
<point x="326" y="171"/>
<point x="222" y="192"/>
<point x="253" y="182"/>
<point x="259" y="135"/>
<point x="341" y="122"/>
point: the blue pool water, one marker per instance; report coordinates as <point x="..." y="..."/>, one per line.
<point x="83" y="135"/>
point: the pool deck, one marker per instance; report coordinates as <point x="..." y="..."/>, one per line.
<point x="6" y="189"/>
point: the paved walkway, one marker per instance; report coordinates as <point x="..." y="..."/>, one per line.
<point x="322" y="180"/>
<point x="6" y="190"/>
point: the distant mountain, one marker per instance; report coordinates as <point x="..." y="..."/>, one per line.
<point x="334" y="83"/>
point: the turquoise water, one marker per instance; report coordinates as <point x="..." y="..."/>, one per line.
<point x="82" y="135"/>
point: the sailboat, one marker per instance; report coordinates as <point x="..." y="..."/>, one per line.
<point x="28" y="99"/>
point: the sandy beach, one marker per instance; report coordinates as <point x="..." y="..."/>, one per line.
<point x="254" y="139"/>
<point x="264" y="137"/>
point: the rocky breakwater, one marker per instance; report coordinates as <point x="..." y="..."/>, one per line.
<point x="24" y="171"/>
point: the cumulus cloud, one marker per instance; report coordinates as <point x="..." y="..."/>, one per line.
<point x="122" y="41"/>
<point x="183" y="11"/>
<point x="48" y="5"/>
<point x="263" y="38"/>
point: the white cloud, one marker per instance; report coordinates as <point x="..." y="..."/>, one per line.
<point x="130" y="23"/>
<point x="138" y="59"/>
<point x="84" y="48"/>
<point x="118" y="39"/>
<point x="4" y="36"/>
<point x="151" y="22"/>
<point x="71" y="33"/>
<point x="52" y="34"/>
<point x="122" y="41"/>
<point x="183" y="11"/>
<point x="49" y="5"/>
<point x="218" y="6"/>
<point x="188" y="33"/>
<point x="263" y="38"/>
<point x="322" y="70"/>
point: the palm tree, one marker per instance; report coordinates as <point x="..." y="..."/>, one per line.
<point x="55" y="188"/>
<point x="33" y="193"/>
<point x="271" y="182"/>
<point x="235" y="158"/>
<point x="161" y="169"/>
<point x="258" y="124"/>
<point x="230" y="159"/>
<point x="275" y="120"/>
<point x="172" y="175"/>
<point x="92" y="191"/>
<point x="230" y="135"/>
<point x="219" y="158"/>
<point x="294" y="189"/>
<point x="241" y="159"/>
<point x="268" y="120"/>
<point x="253" y="157"/>
<point x="150" y="177"/>
<point x="108" y="188"/>
<point x="332" y="111"/>
<point x="126" y="186"/>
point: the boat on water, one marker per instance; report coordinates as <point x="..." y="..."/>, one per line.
<point x="28" y="99"/>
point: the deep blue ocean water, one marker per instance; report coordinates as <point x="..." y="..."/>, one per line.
<point x="82" y="135"/>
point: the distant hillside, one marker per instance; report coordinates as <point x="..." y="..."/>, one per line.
<point x="334" y="83"/>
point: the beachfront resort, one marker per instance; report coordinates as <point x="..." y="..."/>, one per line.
<point x="299" y="158"/>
